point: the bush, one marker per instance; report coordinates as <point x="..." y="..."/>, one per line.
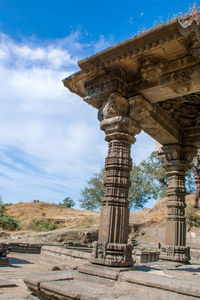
<point x="8" y="223"/>
<point x="191" y="218"/>
<point x="43" y="224"/>
<point x="2" y="207"/>
<point x="67" y="202"/>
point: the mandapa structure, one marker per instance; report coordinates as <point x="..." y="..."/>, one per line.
<point x="149" y="82"/>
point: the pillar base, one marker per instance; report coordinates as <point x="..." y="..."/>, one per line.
<point x="112" y="254"/>
<point x="175" y="253"/>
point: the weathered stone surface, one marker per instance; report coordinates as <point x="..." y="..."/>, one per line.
<point x="176" y="160"/>
<point x="10" y="296"/>
<point x="101" y="271"/>
<point x="6" y="283"/>
<point x="184" y="287"/>
<point x="63" y="257"/>
<point x="147" y="256"/>
<point x="34" y="280"/>
<point x="24" y="247"/>
<point x="64" y="251"/>
<point x="72" y="290"/>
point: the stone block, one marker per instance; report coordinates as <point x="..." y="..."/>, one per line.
<point x="33" y="281"/>
<point x="147" y="256"/>
<point x="61" y="290"/>
<point x="102" y="271"/>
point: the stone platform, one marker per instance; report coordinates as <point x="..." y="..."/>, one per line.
<point x="152" y="281"/>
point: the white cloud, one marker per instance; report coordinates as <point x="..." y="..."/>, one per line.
<point x="50" y="142"/>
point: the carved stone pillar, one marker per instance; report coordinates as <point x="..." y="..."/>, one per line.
<point x="112" y="248"/>
<point x="176" y="160"/>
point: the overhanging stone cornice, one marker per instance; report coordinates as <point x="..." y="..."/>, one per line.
<point x="174" y="45"/>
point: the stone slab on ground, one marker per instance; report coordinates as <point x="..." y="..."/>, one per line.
<point x="72" y="290"/>
<point x="54" y="255"/>
<point x="6" y="283"/>
<point x="10" y="296"/>
<point x="163" y="264"/>
<point x="169" y="283"/>
<point x="81" y="290"/>
<point x="102" y="271"/>
<point x="34" y="280"/>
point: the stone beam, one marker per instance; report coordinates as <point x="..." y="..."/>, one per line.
<point x="191" y="136"/>
<point x="154" y="120"/>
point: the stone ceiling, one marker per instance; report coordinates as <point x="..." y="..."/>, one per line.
<point x="157" y="72"/>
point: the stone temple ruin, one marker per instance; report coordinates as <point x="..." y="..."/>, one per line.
<point x="149" y="82"/>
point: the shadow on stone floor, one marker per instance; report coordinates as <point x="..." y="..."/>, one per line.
<point x="144" y="268"/>
<point x="18" y="261"/>
<point x="191" y="270"/>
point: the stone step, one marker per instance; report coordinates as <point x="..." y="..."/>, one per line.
<point x="169" y="283"/>
<point x="98" y="273"/>
<point x="10" y="296"/>
<point x="33" y="281"/>
<point x="73" y="289"/>
<point x="80" y="290"/>
<point x="6" y="283"/>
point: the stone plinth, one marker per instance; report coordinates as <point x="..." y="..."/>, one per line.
<point x="146" y="256"/>
<point x="175" y="253"/>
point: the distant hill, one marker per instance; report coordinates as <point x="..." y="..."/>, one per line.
<point x="71" y="218"/>
<point x="77" y="219"/>
<point x="157" y="214"/>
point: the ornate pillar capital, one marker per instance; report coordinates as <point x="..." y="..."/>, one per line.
<point x="175" y="157"/>
<point x="115" y="119"/>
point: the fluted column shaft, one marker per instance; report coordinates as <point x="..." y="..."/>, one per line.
<point x="176" y="226"/>
<point x="176" y="160"/>
<point x="112" y="248"/>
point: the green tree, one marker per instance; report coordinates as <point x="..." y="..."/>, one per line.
<point x="67" y="202"/>
<point x="148" y="181"/>
<point x="2" y="207"/>
<point x="93" y="193"/>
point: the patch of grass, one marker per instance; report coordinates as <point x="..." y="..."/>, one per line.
<point x="8" y="223"/>
<point x="43" y="224"/>
<point x="191" y="218"/>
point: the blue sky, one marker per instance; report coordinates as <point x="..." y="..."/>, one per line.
<point x="50" y="142"/>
